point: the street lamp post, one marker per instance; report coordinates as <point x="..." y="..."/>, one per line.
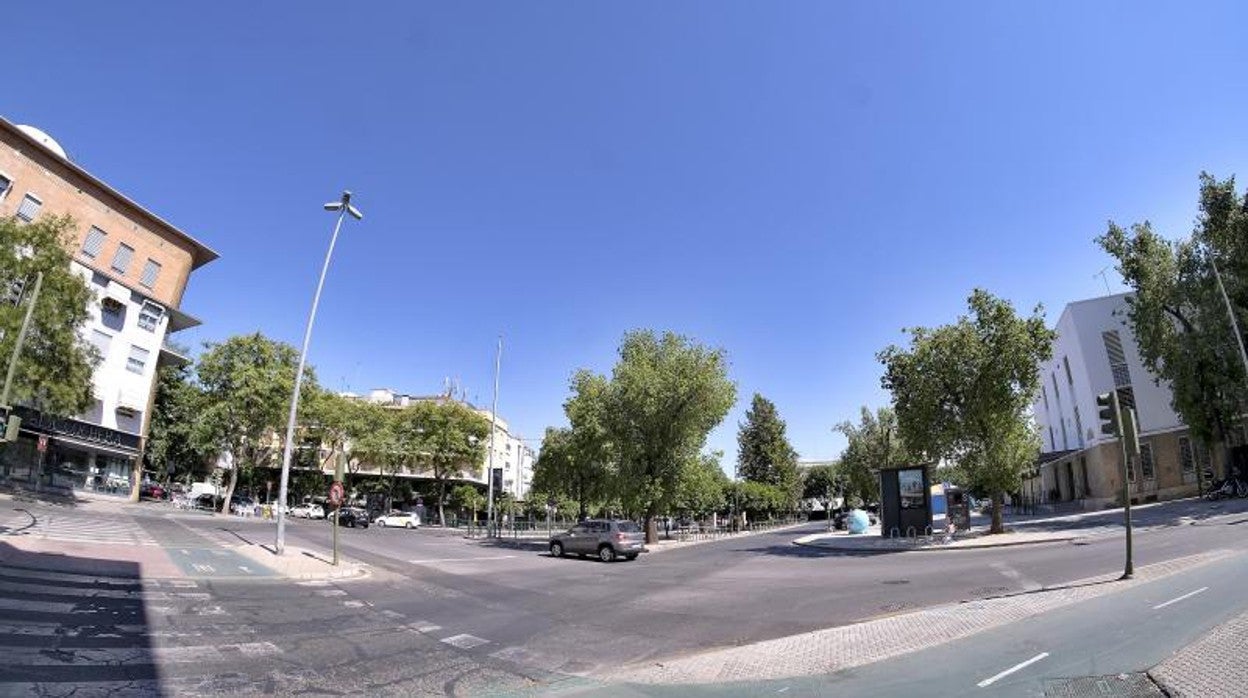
<point x="342" y="207"/>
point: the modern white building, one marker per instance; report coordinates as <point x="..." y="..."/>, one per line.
<point x="138" y="266"/>
<point x="1096" y="352"/>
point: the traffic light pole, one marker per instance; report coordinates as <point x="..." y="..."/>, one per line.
<point x="21" y="339"/>
<point x="1129" y="569"/>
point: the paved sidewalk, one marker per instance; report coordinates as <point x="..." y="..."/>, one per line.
<point x="845" y="647"/>
<point x="1215" y="665"/>
<point x="97" y="536"/>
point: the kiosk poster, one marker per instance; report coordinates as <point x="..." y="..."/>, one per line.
<point x="910" y="487"/>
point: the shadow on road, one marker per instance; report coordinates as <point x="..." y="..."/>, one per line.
<point x="67" y="621"/>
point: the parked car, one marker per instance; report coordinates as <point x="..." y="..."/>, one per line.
<point x="608" y="539"/>
<point x="401" y="519"/>
<point x="352" y="517"/>
<point x="151" y="490"/>
<point x="308" y="511"/>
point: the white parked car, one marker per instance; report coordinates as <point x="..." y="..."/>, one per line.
<point x="308" y="511"/>
<point x="400" y="519"/>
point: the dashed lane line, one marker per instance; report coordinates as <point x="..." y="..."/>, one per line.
<point x="1017" y="667"/>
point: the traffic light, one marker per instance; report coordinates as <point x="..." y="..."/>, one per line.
<point x="1131" y="432"/>
<point x="11" y="427"/>
<point x="1107" y="409"/>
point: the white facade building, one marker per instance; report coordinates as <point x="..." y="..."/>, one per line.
<point x="1096" y="352"/>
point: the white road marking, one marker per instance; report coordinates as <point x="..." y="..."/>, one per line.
<point x="1021" y="665"/>
<point x="391" y="614"/>
<point x="464" y="641"/>
<point x="313" y="583"/>
<point x="39" y="656"/>
<point x="1188" y="595"/>
<point x="244" y="568"/>
<point x="203" y="568"/>
<point x="353" y="604"/>
<point x="331" y="592"/>
<point x="461" y="559"/>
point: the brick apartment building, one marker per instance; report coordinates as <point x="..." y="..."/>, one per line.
<point x="138" y="266"/>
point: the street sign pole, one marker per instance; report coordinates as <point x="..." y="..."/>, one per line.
<point x="336" y="498"/>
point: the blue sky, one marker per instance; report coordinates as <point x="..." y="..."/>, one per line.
<point x="794" y="182"/>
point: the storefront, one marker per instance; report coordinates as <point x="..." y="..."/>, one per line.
<point x="69" y="454"/>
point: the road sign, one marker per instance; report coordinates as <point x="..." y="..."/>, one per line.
<point x="335" y="494"/>
<point x="43" y="444"/>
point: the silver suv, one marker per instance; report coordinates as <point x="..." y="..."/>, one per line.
<point x="606" y="539"/>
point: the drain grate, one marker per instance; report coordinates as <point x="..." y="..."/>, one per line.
<point x="895" y="581"/>
<point x="1116" y="686"/>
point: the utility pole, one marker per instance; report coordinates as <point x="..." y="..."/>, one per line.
<point x="489" y="478"/>
<point x="1230" y="312"/>
<point x="21" y="339"/>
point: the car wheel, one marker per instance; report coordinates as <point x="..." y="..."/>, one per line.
<point x="409" y="526"/>
<point x="556" y="549"/>
<point x="606" y="553"/>
<point x="630" y="558"/>
<point x="351" y="524"/>
<point x="382" y="523"/>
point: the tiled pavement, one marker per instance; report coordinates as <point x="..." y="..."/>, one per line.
<point x="1216" y="665"/>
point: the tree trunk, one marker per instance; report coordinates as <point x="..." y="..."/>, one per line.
<point x="998" y="504"/>
<point x="441" y="498"/>
<point x="229" y="489"/>
<point x="138" y="477"/>
<point x="652" y="528"/>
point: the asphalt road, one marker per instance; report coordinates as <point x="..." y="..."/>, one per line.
<point x="443" y="615"/>
<point x="723" y="593"/>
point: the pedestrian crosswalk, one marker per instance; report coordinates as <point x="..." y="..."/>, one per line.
<point x="68" y="631"/>
<point x="76" y="527"/>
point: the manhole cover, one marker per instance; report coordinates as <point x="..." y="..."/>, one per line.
<point x="1116" y="686"/>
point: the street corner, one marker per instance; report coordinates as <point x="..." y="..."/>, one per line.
<point x="300" y="564"/>
<point x="86" y="557"/>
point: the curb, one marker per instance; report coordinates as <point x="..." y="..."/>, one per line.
<point x="940" y="548"/>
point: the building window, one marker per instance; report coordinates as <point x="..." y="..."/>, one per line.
<point x="1045" y="392"/>
<point x="149" y="316"/>
<point x="94" y="242"/>
<point x="1117" y="358"/>
<point x="29" y="208"/>
<point x="112" y="314"/>
<point x="1078" y="426"/>
<point x="1065" y="442"/>
<point x="1052" y="441"/>
<point x="102" y="341"/>
<point x="1057" y="394"/>
<point x="6" y="185"/>
<point x="1146" y="462"/>
<point x="1187" y="460"/>
<point x="138" y="359"/>
<point x="1069" y="379"/>
<point x="151" y="271"/>
<point x="121" y="260"/>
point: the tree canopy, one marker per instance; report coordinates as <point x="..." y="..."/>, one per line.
<point x="964" y="391"/>
<point x="55" y="367"/>
<point x="763" y="451"/>
<point x="873" y="443"/>
<point x="1176" y="311"/>
<point x="247" y="382"/>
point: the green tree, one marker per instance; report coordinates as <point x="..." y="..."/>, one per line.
<point x="964" y="391"/>
<point x="171" y="444"/>
<point x="449" y="437"/>
<point x="247" y="382"/>
<point x="378" y="446"/>
<point x="702" y="485"/>
<point x="821" y="481"/>
<point x="665" y="395"/>
<point x="1177" y="314"/>
<point x="763" y="451"/>
<point x="873" y="443"/>
<point x="467" y="497"/>
<point x="54" y="370"/>
<point x="333" y="424"/>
